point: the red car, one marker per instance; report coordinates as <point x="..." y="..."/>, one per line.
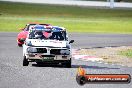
<point x="23" y="34"/>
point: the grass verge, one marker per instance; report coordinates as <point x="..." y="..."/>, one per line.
<point x="127" y="53"/>
<point x="76" y="19"/>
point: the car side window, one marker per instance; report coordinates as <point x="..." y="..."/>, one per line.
<point x="57" y="35"/>
<point x="31" y="35"/>
<point x="26" y="28"/>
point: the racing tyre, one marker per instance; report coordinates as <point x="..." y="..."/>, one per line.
<point x="20" y="45"/>
<point x="25" y="62"/>
<point x="68" y="64"/>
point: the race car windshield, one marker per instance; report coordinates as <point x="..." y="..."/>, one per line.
<point x="29" y="27"/>
<point x="36" y="35"/>
<point x="47" y="35"/>
<point x="58" y="36"/>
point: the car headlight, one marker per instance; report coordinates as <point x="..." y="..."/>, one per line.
<point x="31" y="50"/>
<point x="65" y="52"/>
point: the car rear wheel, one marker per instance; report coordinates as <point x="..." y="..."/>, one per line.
<point x="25" y="61"/>
<point x="20" y="45"/>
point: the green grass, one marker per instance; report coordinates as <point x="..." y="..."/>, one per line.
<point x="76" y="19"/>
<point x="127" y="53"/>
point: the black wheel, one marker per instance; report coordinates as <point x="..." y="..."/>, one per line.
<point x="25" y="62"/>
<point x="20" y="45"/>
<point x="68" y="64"/>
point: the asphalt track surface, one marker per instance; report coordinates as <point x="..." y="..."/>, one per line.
<point x="14" y="75"/>
<point x="92" y="40"/>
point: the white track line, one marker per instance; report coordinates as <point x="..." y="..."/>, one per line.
<point x="75" y="55"/>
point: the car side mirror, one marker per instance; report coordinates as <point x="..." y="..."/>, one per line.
<point x="71" y="41"/>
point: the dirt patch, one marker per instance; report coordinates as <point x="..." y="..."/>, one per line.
<point x="110" y="54"/>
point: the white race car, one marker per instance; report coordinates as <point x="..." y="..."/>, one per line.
<point x="47" y="45"/>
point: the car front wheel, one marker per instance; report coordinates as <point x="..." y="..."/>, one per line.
<point x="20" y="45"/>
<point x="68" y="64"/>
<point x="25" y="61"/>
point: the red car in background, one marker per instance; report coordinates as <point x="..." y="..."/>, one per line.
<point x="23" y="34"/>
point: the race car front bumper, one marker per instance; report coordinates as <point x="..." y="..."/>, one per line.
<point x="44" y="58"/>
